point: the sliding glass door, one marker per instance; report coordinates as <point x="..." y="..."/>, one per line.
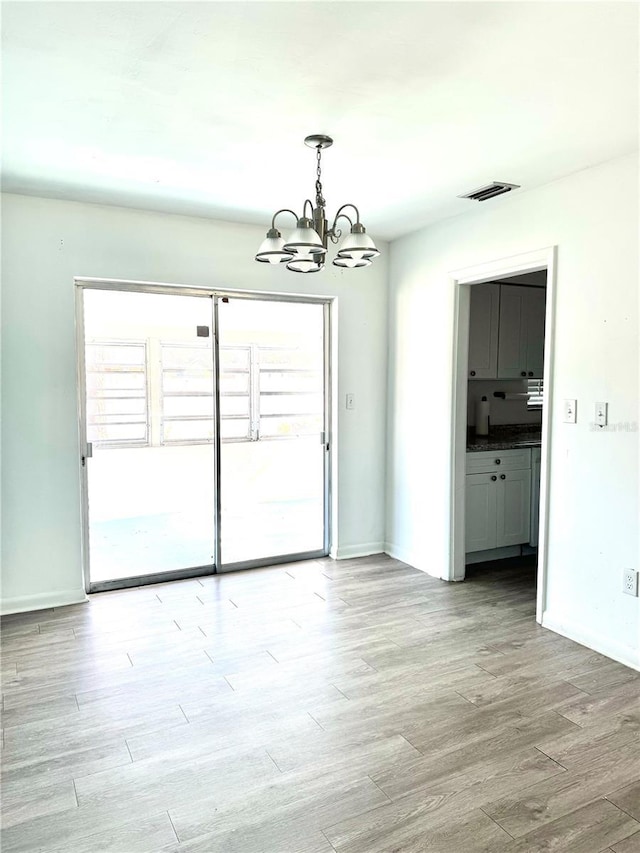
<point x="272" y="423"/>
<point x="205" y="438"/>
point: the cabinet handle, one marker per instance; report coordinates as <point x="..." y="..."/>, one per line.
<point x="531" y="373"/>
<point x="473" y="373"/>
<point x="494" y="478"/>
<point x="503" y="476"/>
<point x="523" y="373"/>
<point x="497" y="461"/>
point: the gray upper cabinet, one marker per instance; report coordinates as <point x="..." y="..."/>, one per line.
<point x="483" y="331"/>
<point x="521" y="332"/>
<point x="535" y="314"/>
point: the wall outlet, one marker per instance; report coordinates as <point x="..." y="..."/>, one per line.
<point x="630" y="582"/>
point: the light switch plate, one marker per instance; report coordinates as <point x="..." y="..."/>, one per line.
<point x="570" y="411"/>
<point x="350" y="401"/>
<point x="601" y="414"/>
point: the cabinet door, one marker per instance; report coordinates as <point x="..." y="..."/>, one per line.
<point x="483" y="331"/>
<point x="480" y="515"/>
<point x="535" y="304"/>
<point x="513" y="508"/>
<point x="512" y="342"/>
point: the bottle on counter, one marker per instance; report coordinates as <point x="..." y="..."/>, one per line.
<point x="482" y="417"/>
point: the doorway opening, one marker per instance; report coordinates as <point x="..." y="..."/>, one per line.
<point x="204" y="421"/>
<point x="502" y="399"/>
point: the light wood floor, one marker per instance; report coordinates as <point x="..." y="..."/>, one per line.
<point x="358" y="707"/>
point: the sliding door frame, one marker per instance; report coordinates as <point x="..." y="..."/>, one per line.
<point x="215" y="294"/>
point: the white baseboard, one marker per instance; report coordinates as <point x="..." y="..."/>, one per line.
<point x="603" y="645"/>
<point x="25" y="603"/>
<point x="366" y="549"/>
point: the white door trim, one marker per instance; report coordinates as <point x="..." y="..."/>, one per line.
<point x="534" y="261"/>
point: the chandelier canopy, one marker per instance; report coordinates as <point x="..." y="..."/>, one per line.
<point x="306" y="249"/>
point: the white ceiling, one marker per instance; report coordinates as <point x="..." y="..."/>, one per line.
<point x="202" y="107"/>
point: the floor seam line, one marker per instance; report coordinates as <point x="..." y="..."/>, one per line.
<point x="380" y="789"/>
<point x="328" y="842"/>
<point x="173" y="827"/>
<point x="496" y="823"/>
<point x="551" y="758"/>
<point x="126" y="743"/>
<point x="315" y="721"/>
<point x="278" y="768"/>
<point x="615" y="805"/>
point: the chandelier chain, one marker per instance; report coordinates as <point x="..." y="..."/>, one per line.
<point x="320" y="202"/>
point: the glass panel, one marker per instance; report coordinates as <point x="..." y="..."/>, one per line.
<point x="151" y="506"/>
<point x="176" y="381"/>
<point x="292" y="380"/>
<point x="190" y="406"/>
<point x="234" y="406"/>
<point x="234" y="357"/>
<point x="191" y="430"/>
<point x="120" y="433"/>
<point x="291" y="426"/>
<point x="231" y="383"/>
<point x="115" y="352"/>
<point x="117" y="406"/>
<point x="115" y="381"/>
<point x="113" y="365"/>
<point x="299" y="358"/>
<point x="234" y="428"/>
<point x="119" y="419"/>
<point x="272" y="492"/>
<point x="295" y="404"/>
<point x="186" y="358"/>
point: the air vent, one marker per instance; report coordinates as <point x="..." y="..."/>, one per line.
<point x="490" y="191"/>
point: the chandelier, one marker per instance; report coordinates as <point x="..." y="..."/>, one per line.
<point x="306" y="249"/>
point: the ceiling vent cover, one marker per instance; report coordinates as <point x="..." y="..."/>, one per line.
<point x="490" y="191"/>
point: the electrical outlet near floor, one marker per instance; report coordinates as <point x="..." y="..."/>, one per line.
<point x="630" y="582"/>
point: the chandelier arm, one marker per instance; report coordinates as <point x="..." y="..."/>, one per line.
<point x="339" y="213"/>
<point x="335" y="233"/>
<point x="282" y="210"/>
<point x="307" y="201"/>
<point x="342" y="216"/>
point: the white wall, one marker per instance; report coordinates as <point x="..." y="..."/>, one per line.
<point x="45" y="244"/>
<point x="592" y="216"/>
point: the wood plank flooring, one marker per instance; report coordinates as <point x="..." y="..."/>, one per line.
<point x="317" y="707"/>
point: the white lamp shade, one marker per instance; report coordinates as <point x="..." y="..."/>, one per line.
<point x="306" y="263"/>
<point x="358" y="247"/>
<point x="304" y="241"/>
<point x="352" y="263"/>
<point x="271" y="251"/>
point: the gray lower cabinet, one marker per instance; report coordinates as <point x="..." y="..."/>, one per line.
<point x="498" y="499"/>
<point x="535" y="497"/>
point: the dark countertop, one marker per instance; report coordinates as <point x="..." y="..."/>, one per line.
<point x="507" y="437"/>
